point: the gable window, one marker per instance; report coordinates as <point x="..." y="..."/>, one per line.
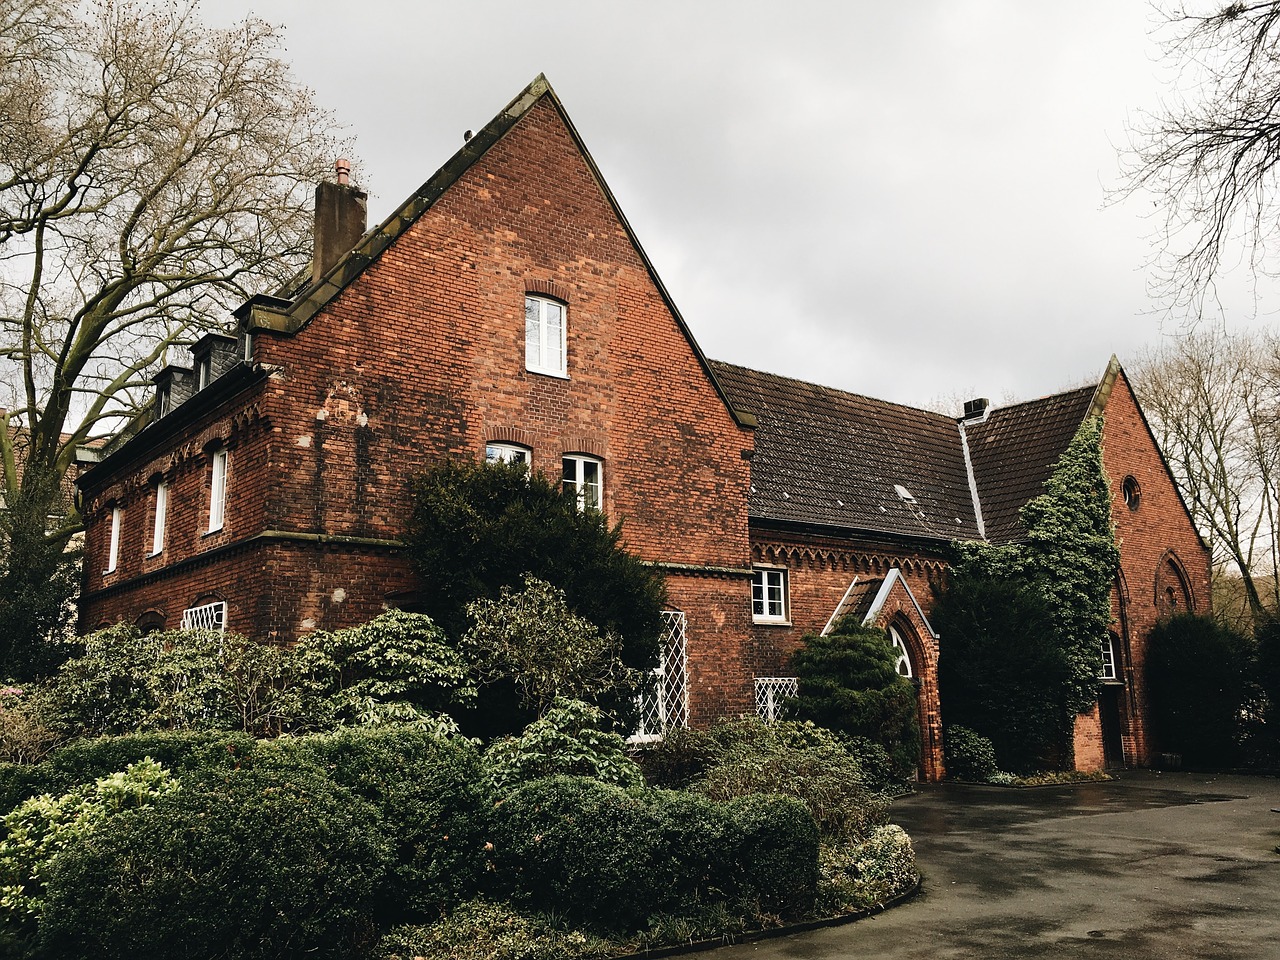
<point x="769" y="594"/>
<point x="583" y="481"/>
<point x="506" y="453"/>
<point x="544" y="336"/>
<point x="902" y="659"/>
<point x="113" y="551"/>
<point x="162" y="510"/>
<point x="218" y="490"/>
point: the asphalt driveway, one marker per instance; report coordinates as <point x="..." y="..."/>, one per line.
<point x="1159" y="866"/>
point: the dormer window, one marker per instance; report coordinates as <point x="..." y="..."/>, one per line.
<point x="164" y="401"/>
<point x="204" y="372"/>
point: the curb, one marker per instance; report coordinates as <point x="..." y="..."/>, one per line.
<point x="699" y="946"/>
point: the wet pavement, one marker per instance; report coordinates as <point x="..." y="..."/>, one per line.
<point x="1153" y="866"/>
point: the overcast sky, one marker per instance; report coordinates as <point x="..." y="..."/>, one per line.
<point x="906" y="200"/>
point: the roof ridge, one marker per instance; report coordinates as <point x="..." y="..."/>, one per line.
<point x="837" y="390"/>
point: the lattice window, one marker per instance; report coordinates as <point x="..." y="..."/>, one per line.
<point x="770" y="692"/>
<point x="1109" y="671"/>
<point x="209" y="616"/>
<point x="666" y="703"/>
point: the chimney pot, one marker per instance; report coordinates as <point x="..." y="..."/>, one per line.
<point x="342" y="167"/>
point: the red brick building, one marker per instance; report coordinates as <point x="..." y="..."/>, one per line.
<point x="507" y="310"/>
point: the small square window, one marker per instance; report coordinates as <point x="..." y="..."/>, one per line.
<point x="769" y="594"/>
<point x="506" y="453"/>
<point x="544" y="336"/>
<point x="583" y="481"/>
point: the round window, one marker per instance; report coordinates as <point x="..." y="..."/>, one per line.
<point x="1132" y="493"/>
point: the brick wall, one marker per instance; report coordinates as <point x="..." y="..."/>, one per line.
<point x="1159" y="551"/>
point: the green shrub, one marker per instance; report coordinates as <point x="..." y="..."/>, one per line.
<point x="609" y="860"/>
<point x="396" y="668"/>
<point x="431" y="804"/>
<point x="481" y="930"/>
<point x="1197" y="673"/>
<point x="274" y="861"/>
<point x="83" y="761"/>
<point x="567" y="740"/>
<point x="128" y="681"/>
<point x="1003" y="670"/>
<point x="969" y="755"/>
<point x="579" y="848"/>
<point x="38" y="830"/>
<point x="795" y="759"/>
<point x="777" y="860"/>
<point x="477" y="528"/>
<point x="26" y="735"/>
<point x="532" y="639"/>
<point x="848" y="682"/>
<point x="679" y="758"/>
<point x="857" y="876"/>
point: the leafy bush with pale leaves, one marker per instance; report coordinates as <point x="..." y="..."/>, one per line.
<point x="796" y="759"/>
<point x="481" y="930"/>
<point x="39" y="829"/>
<point x="567" y="740"/>
<point x="856" y="876"/>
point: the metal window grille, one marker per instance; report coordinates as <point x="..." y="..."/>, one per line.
<point x="665" y="704"/>
<point x="210" y="616"/>
<point x="770" y="692"/>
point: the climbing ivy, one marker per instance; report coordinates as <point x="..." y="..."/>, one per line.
<point x="1064" y="568"/>
<point x="1072" y="559"/>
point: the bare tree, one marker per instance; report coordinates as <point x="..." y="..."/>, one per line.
<point x="1209" y="153"/>
<point x="154" y="172"/>
<point x="1213" y="401"/>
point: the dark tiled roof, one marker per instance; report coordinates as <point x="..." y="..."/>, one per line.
<point x="835" y="459"/>
<point x="858" y="602"/>
<point x="1014" y="452"/>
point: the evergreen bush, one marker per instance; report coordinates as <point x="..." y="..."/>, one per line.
<point x="1197" y="675"/>
<point x="431" y="804"/>
<point x="275" y="861"/>
<point x="969" y="756"/>
<point x="848" y="682"/>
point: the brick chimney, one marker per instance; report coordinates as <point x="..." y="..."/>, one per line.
<point x="341" y="219"/>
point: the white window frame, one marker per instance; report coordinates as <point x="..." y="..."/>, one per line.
<point x="545" y="341"/>
<point x="113" y="550"/>
<point x="577" y="483"/>
<point x="207" y="616"/>
<point x="770" y="602"/>
<point x="162" y="513"/>
<point x="1109" y="670"/>
<point x="204" y="372"/>
<point x="902" y="655"/>
<point x="218" y="490"/>
<point x="507" y="453"/>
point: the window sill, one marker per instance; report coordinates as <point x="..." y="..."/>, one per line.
<point x="558" y="374"/>
<point x="769" y="622"/>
